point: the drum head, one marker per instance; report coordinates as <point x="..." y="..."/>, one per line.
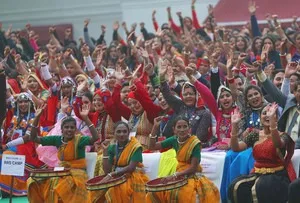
<point x="96" y="184"/>
<point x="160" y="184"/>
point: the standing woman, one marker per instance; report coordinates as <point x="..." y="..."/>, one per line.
<point x="188" y="149"/>
<point x="123" y="158"/>
<point x="71" y="153"/>
<point x="273" y="170"/>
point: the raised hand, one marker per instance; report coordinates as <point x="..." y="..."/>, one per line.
<point x="105" y="144"/>
<point x="84" y="111"/>
<point x="153" y="14"/>
<point x="24" y="84"/>
<point x="242" y="57"/>
<point x="85" y="50"/>
<point x="236" y="116"/>
<point x="189" y="71"/>
<point x="116" y="25"/>
<point x="64" y="104"/>
<point x="163" y="68"/>
<point x="264" y="52"/>
<point x="83" y="86"/>
<point x="272" y="111"/>
<point x="149" y="69"/>
<point x="133" y="26"/>
<point x="290" y="69"/>
<point x="103" y="29"/>
<point x="171" y="77"/>
<point x="256" y="66"/>
<point x="39" y="110"/>
<point x="86" y="22"/>
<point x="269" y="69"/>
<point x="252" y="7"/>
<point x="275" y="19"/>
<point x="210" y="9"/>
<point x="18" y="59"/>
<point x="118" y="73"/>
<point x="67" y="53"/>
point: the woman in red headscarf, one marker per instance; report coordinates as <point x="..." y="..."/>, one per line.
<point x="139" y="121"/>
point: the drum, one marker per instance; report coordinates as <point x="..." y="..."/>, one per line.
<point x="160" y="184"/>
<point x="96" y="184"/>
<point x="49" y="173"/>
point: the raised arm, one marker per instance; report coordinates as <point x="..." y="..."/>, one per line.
<point x="84" y="112"/>
<point x="143" y="97"/>
<point x="234" y="141"/>
<point x="254" y="25"/>
<point x="205" y="93"/>
<point x="272" y="114"/>
<point x="86" y="35"/>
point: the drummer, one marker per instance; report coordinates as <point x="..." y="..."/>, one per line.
<point x="188" y="149"/>
<point x="71" y="152"/>
<point x="123" y="158"/>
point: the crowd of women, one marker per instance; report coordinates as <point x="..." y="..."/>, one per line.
<point x="176" y="91"/>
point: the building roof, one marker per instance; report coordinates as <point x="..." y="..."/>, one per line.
<point x="235" y="12"/>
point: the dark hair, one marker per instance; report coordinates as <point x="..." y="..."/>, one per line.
<point x="296" y="86"/>
<point x="295" y="36"/>
<point x="125" y="84"/>
<point x="274" y="73"/>
<point x="121" y="123"/>
<point x="245" y="42"/>
<point x="180" y="118"/>
<point x="255" y="51"/>
<point x="297" y="75"/>
<point x="250" y="87"/>
<point x="240" y="77"/>
<point x="89" y="95"/>
<point x="187" y="85"/>
<point x="67" y="120"/>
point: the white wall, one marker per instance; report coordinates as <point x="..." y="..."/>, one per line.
<point x="48" y="12"/>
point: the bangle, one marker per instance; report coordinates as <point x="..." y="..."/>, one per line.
<point x="34" y="126"/>
<point x="109" y="175"/>
<point x="105" y="157"/>
<point x="282" y="54"/>
<point x="174" y="175"/>
<point x="91" y="125"/>
<point x="275" y="128"/>
<point x="152" y="137"/>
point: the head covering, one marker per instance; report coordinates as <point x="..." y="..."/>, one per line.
<point x="104" y="94"/>
<point x="89" y="81"/>
<point x="199" y="101"/>
<point x="221" y="89"/>
<point x="68" y="81"/>
<point x="131" y="95"/>
<point x="24" y="96"/>
<point x="41" y="84"/>
<point x="13" y="85"/>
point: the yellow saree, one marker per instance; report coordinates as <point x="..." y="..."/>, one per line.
<point x="62" y="189"/>
<point x="133" y="190"/>
<point x="202" y="187"/>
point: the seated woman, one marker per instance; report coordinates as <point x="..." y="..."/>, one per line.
<point x="188" y="149"/>
<point x="272" y="171"/>
<point x="124" y="157"/>
<point x="71" y="152"/>
<point x="17" y="125"/>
